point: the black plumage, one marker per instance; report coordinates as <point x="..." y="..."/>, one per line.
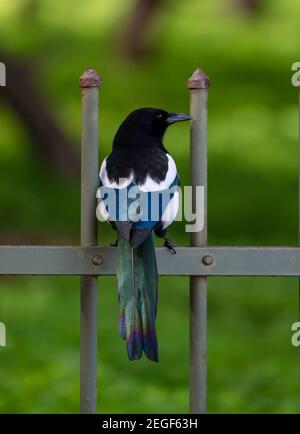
<point x="140" y="161"/>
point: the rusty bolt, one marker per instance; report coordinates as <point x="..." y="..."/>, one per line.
<point x="207" y="260"/>
<point x="97" y="260"/>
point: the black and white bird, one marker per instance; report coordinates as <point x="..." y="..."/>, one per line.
<point x="138" y="195"/>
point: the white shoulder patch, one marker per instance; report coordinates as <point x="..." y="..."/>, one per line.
<point x="151" y="185"/>
<point x="124" y="182"/>
<point x="101" y="212"/>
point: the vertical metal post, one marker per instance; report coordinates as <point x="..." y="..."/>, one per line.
<point x="299" y="198"/>
<point x="198" y="85"/>
<point x="89" y="83"/>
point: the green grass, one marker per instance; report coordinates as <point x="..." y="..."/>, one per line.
<point x="252" y="366"/>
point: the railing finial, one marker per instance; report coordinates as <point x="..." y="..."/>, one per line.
<point x="90" y="78"/>
<point x="198" y="80"/>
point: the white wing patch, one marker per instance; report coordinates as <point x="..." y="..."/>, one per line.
<point x="101" y="212"/>
<point x="170" y="211"/>
<point x="151" y="185"/>
<point x="124" y="182"/>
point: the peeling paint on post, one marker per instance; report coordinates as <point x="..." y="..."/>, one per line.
<point x="89" y="83"/>
<point x="198" y="85"/>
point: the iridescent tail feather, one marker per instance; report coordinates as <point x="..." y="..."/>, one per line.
<point x="137" y="279"/>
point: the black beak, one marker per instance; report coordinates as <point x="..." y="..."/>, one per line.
<point x="177" y="117"/>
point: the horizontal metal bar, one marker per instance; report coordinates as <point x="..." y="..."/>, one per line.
<point x="226" y="261"/>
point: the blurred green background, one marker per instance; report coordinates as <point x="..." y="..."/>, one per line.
<point x="144" y="55"/>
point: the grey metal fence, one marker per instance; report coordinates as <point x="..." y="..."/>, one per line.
<point x="198" y="261"/>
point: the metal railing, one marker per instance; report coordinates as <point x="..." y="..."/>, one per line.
<point x="198" y="261"/>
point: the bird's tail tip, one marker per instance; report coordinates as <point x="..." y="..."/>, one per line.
<point x="137" y="344"/>
<point x="151" y="345"/>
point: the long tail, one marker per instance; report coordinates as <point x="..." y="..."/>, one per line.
<point x="137" y="285"/>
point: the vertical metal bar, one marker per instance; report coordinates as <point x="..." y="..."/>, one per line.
<point x="89" y="83"/>
<point x="299" y="198"/>
<point x="198" y="85"/>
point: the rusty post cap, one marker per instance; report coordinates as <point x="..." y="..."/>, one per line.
<point x="198" y="80"/>
<point x="90" y="78"/>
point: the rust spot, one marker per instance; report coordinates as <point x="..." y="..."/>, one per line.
<point x="198" y="80"/>
<point x="90" y="78"/>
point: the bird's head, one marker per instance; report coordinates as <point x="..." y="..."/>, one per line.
<point x="146" y="126"/>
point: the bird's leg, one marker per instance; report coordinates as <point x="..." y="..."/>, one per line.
<point x="161" y="233"/>
<point x="170" y="245"/>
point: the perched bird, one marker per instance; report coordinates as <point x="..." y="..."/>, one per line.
<point x="137" y="195"/>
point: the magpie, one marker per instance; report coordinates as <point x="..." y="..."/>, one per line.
<point x="138" y="194"/>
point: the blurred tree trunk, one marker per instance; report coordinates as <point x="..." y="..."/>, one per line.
<point x="249" y="7"/>
<point x="135" y="39"/>
<point x="48" y="140"/>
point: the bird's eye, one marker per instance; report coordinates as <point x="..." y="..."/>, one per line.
<point x="159" y="116"/>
